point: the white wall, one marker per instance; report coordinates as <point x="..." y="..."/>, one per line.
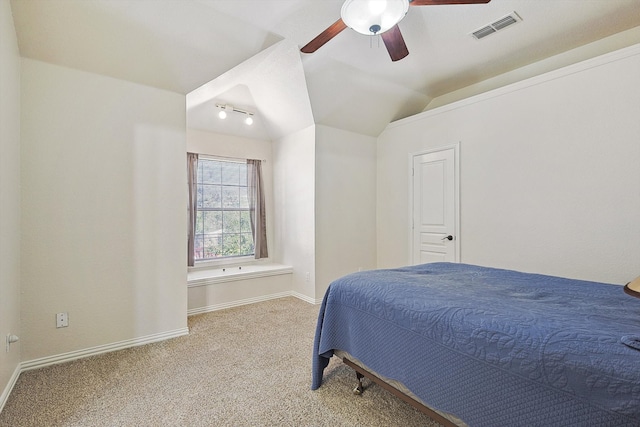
<point x="232" y="293"/>
<point x="294" y="207"/>
<point x="549" y="172"/>
<point x="345" y="187"/>
<point x="103" y="210"/>
<point x="9" y="198"/>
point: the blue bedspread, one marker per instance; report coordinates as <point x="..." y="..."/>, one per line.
<point x="493" y="347"/>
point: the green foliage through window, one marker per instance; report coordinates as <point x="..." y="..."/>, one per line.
<point x="223" y="227"/>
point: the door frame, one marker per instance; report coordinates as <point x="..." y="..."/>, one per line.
<point x="456" y="196"/>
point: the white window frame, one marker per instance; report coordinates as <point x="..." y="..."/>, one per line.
<point x="228" y="260"/>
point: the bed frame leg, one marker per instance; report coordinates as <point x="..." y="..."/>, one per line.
<point x="359" y="388"/>
<point x="362" y="372"/>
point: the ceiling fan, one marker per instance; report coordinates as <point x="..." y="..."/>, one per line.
<point x="377" y="17"/>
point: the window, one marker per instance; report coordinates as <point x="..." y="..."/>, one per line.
<point x="223" y="223"/>
<point x="226" y="209"/>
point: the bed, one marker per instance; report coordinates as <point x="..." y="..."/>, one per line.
<point x="489" y="347"/>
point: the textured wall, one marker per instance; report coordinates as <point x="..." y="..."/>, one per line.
<point x="9" y="196"/>
<point x="103" y="210"/>
<point x="294" y="200"/>
<point x="549" y="172"/>
<point x="345" y="204"/>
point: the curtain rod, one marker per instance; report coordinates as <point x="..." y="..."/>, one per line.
<point x="235" y="159"/>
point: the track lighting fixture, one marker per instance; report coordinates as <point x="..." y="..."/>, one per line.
<point x="224" y="108"/>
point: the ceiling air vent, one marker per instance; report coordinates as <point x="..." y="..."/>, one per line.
<point x="496" y="26"/>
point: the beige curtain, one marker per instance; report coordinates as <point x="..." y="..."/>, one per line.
<point x="257" y="208"/>
<point x="192" y="177"/>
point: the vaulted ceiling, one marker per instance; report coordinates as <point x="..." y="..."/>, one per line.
<point x="251" y="46"/>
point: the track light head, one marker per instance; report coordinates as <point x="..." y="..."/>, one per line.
<point x="224" y="108"/>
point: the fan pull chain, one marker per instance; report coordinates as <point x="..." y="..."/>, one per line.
<point x="377" y="37"/>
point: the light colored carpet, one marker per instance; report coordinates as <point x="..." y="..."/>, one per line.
<point x="245" y="366"/>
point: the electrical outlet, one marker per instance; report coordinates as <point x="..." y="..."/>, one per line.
<point x="307" y="276"/>
<point x="62" y="320"/>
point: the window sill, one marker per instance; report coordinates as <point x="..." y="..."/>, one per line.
<point x="214" y="264"/>
<point x="202" y="277"/>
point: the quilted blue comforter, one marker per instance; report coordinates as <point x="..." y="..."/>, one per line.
<point x="493" y="347"/>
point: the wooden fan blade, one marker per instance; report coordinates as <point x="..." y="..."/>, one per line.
<point x="324" y="37"/>
<point x="395" y="44"/>
<point x="437" y="2"/>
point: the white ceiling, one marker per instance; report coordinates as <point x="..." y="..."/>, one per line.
<point x="251" y="48"/>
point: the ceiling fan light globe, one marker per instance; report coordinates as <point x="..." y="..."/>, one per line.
<point x="363" y="15"/>
<point x="377" y="7"/>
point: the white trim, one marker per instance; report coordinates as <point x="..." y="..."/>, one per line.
<point x="7" y="390"/>
<point x="607" y="58"/>
<point x="456" y="196"/>
<point x="306" y="298"/>
<point x="211" y="277"/>
<point x="106" y="348"/>
<point x="223" y="262"/>
<point x="238" y="303"/>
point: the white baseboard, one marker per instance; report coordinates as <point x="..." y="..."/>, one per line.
<point x="92" y="351"/>
<point x="7" y="390"/>
<point x="306" y="298"/>
<point x="238" y="303"/>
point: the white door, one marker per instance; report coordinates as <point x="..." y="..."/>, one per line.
<point x="435" y="201"/>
